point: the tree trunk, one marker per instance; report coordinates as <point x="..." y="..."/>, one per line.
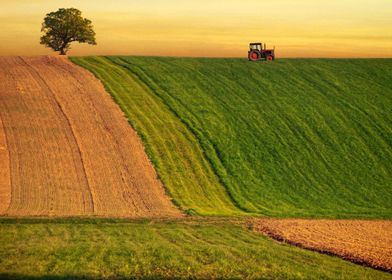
<point x="64" y="47"/>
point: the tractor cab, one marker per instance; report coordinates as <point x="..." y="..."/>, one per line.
<point x="258" y="51"/>
<point x="255" y="46"/>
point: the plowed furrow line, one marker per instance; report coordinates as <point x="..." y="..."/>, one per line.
<point x="5" y="176"/>
<point x="44" y="169"/>
<point x="148" y="196"/>
<point x="91" y="140"/>
<point x="87" y="196"/>
<point x="137" y="199"/>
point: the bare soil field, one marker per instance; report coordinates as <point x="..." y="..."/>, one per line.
<point x="67" y="150"/>
<point x="364" y="242"/>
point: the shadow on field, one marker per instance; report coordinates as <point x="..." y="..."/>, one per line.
<point x="14" y="276"/>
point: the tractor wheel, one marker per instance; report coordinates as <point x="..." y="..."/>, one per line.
<point x="254" y="56"/>
<point x="270" y="58"/>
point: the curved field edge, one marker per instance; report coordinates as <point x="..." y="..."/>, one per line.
<point x="159" y="250"/>
<point x="174" y="150"/>
<point x="296" y="138"/>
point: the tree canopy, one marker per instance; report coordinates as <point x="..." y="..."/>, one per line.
<point x="65" y="26"/>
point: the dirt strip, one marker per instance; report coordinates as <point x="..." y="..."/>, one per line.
<point x="363" y="242"/>
<point x="70" y="151"/>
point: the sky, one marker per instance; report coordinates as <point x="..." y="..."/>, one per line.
<point x="209" y="28"/>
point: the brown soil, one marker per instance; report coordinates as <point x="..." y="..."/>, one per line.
<point x="364" y="242"/>
<point x="66" y="148"/>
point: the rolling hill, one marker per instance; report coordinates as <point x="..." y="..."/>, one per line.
<point x="294" y="138"/>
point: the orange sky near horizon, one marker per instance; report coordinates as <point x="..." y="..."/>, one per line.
<point x="221" y="28"/>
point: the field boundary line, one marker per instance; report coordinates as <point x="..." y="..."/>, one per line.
<point x="110" y="134"/>
<point x="122" y="107"/>
<point x="142" y="81"/>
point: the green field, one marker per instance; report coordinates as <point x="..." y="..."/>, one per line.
<point x="203" y="249"/>
<point x="293" y="138"/>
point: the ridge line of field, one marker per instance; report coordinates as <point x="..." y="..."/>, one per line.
<point x="154" y="88"/>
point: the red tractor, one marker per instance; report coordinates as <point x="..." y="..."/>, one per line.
<point x="258" y="52"/>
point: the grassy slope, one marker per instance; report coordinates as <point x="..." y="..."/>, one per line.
<point x="291" y="138"/>
<point x="92" y="249"/>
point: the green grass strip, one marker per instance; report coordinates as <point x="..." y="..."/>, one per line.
<point x="160" y="250"/>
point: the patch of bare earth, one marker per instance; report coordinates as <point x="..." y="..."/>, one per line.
<point x="364" y="242"/>
<point x="66" y="148"/>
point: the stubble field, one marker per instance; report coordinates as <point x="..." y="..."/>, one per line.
<point x="66" y="148"/>
<point x="363" y="242"/>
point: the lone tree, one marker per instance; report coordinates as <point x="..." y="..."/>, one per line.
<point x="65" y="26"/>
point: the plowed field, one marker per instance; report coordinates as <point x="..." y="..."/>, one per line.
<point x="365" y="242"/>
<point x="66" y="148"/>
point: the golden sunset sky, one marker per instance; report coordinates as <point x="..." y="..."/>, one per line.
<point x="298" y="28"/>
